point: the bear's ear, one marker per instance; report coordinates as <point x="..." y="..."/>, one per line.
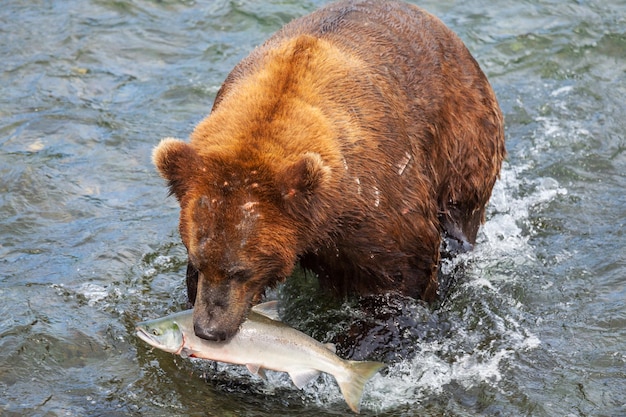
<point x="304" y="177"/>
<point x="176" y="161"/>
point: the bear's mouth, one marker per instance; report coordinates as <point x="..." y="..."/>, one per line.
<point x="220" y="327"/>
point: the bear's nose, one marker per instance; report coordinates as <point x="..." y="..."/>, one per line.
<point x="210" y="333"/>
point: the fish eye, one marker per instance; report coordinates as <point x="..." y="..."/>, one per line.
<point x="155" y="332"/>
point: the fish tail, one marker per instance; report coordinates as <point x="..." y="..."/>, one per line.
<point x="359" y="372"/>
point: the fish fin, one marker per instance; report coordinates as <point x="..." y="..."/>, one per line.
<point x="359" y="374"/>
<point x="256" y="370"/>
<point x="331" y="347"/>
<point x="301" y="377"/>
<point x="186" y="353"/>
<point x="268" y="309"/>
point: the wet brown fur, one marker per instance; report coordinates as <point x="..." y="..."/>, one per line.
<point x="351" y="140"/>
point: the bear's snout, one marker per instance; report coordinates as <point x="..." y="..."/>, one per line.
<point x="220" y="308"/>
<point x="216" y="323"/>
<point x="211" y="333"/>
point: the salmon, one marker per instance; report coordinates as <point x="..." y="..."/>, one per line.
<point x="263" y="342"/>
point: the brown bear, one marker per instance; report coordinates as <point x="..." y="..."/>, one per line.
<point x="351" y="141"/>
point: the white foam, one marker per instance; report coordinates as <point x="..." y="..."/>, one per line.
<point x="508" y="214"/>
<point x="429" y="375"/>
<point x="160" y="263"/>
<point x="562" y="90"/>
<point x="94" y="293"/>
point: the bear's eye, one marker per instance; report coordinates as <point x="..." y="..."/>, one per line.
<point x="240" y="276"/>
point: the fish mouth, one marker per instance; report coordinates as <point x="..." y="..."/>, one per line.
<point x="143" y="335"/>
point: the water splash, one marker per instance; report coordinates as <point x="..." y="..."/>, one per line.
<point x="509" y="211"/>
<point x="482" y="326"/>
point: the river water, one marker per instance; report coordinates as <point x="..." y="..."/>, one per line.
<point x="533" y="321"/>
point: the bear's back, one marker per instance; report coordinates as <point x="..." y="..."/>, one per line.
<point x="394" y="39"/>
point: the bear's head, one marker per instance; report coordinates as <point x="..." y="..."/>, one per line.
<point x="244" y="220"/>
